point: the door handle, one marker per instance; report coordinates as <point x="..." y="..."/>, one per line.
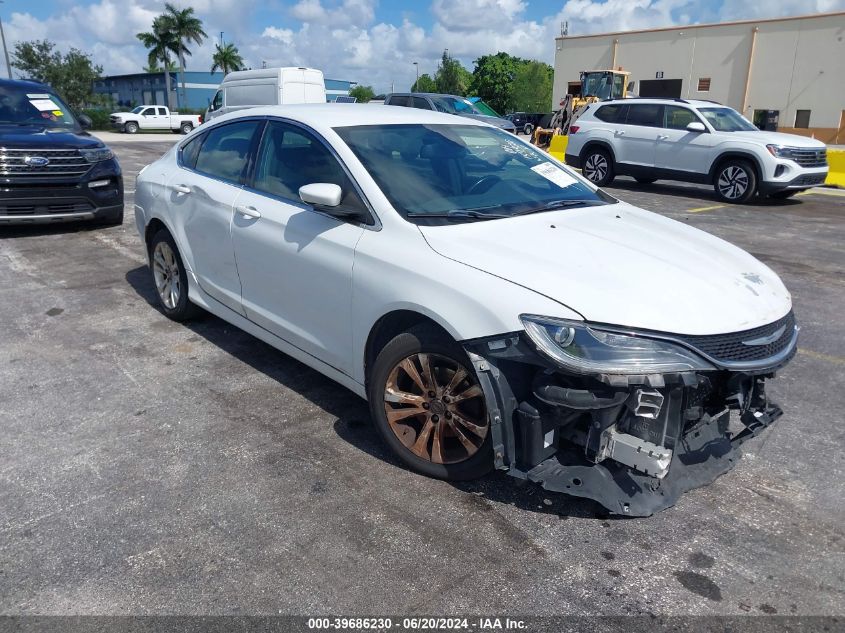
<point x="249" y="212"/>
<point x="662" y="137"/>
<point x="619" y="133"/>
<point x="181" y="188"/>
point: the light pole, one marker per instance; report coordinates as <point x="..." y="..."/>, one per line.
<point x="417" y="84"/>
<point x="5" y="50"/>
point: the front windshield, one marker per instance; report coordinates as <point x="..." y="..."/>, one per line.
<point x="27" y="105"/>
<point x="727" y="120"/>
<point x="437" y="173"/>
<point x="137" y="109"/>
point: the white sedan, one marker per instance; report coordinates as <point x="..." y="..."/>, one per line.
<point x="495" y="308"/>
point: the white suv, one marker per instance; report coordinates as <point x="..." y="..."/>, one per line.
<point x="692" y="141"/>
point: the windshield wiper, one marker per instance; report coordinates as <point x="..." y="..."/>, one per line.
<point x="558" y="204"/>
<point x="462" y="214"/>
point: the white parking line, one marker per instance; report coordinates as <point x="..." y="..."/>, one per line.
<point x="120" y="248"/>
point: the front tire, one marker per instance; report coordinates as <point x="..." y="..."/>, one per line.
<point x="170" y="278"/>
<point x="736" y="181"/>
<point x="428" y="406"/>
<point x="597" y="167"/>
<point x="131" y="128"/>
<point x="528" y="129"/>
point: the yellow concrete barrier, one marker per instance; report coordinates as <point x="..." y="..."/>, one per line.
<point x="557" y="148"/>
<point x="836" y="161"/>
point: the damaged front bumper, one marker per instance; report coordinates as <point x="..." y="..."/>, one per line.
<point x="633" y="443"/>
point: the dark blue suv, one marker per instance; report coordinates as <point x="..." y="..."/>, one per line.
<point x="51" y="169"/>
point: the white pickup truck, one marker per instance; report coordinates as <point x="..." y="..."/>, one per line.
<point x="153" y="118"/>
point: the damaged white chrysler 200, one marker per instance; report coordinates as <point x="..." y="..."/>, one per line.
<point x="495" y="308"/>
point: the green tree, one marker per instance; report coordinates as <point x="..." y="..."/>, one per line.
<point x="493" y="78"/>
<point x="160" y="43"/>
<point x="451" y="77"/>
<point x="424" y="84"/>
<point x="362" y="93"/>
<point x="532" y="87"/>
<point x="71" y="74"/>
<point x="185" y="28"/>
<point x="226" y="58"/>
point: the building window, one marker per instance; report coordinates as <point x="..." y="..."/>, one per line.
<point x="704" y="84"/>
<point x="802" y="118"/>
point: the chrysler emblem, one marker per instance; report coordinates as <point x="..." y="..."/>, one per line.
<point x="36" y="161"/>
<point x="765" y="340"/>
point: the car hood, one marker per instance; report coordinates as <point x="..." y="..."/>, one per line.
<point x="35" y="136"/>
<point x="778" y="138"/>
<point x="618" y="264"/>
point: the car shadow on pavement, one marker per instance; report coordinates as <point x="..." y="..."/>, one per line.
<point x="681" y="190"/>
<point x="39" y="230"/>
<point x="353" y="424"/>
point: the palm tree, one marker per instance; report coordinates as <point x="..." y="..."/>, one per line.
<point x="227" y="58"/>
<point x="160" y="43"/>
<point x="185" y="28"/>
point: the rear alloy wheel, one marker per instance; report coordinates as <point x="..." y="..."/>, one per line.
<point x="735" y="181"/>
<point x="429" y="407"/>
<point x="131" y="128"/>
<point x="186" y="128"/>
<point x="597" y="167"/>
<point x="170" y="278"/>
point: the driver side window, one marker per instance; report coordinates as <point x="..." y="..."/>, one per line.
<point x="290" y="157"/>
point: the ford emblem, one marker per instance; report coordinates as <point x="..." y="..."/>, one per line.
<point x="36" y="161"/>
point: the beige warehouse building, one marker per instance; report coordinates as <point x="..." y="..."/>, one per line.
<point x="786" y="73"/>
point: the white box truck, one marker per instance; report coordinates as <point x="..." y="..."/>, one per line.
<point x="267" y="86"/>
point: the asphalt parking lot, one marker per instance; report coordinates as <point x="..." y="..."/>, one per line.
<point x="153" y="467"/>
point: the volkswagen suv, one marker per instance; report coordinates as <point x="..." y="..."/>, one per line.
<point x="692" y="141"/>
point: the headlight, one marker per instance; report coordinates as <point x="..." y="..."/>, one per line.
<point x="588" y="350"/>
<point x="97" y="154"/>
<point x="779" y="151"/>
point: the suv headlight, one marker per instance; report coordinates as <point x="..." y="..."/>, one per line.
<point x="589" y="350"/>
<point x="97" y="154"/>
<point x="779" y="151"/>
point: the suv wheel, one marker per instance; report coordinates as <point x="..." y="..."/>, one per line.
<point x="528" y="129"/>
<point x="597" y="167"/>
<point x="427" y="404"/>
<point x="735" y="181"/>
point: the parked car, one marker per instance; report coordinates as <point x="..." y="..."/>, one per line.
<point x="153" y="117"/>
<point x="477" y="293"/>
<point x="51" y="169"/>
<point x="525" y="122"/>
<point x="267" y="86"/>
<point x="450" y="104"/>
<point x="692" y="141"/>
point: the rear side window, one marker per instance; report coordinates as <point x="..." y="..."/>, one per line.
<point x="677" y="118"/>
<point x="647" y="114"/>
<point x="189" y="151"/>
<point x="419" y="102"/>
<point x="608" y="113"/>
<point x="398" y="100"/>
<point x="161" y="112"/>
<point x="225" y="151"/>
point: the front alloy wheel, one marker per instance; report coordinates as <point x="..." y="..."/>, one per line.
<point x="597" y="167"/>
<point x="735" y="182"/>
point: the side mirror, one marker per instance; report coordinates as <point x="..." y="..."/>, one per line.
<point x="85" y="121"/>
<point x="321" y="194"/>
<point x="696" y="126"/>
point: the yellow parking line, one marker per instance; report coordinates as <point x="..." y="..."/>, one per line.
<point x="700" y="209"/>
<point x="837" y="360"/>
<point x="823" y="192"/>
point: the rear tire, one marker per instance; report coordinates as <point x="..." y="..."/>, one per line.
<point x="528" y="129"/>
<point x="131" y="128"/>
<point x="170" y="278"/>
<point x="597" y="166"/>
<point x="445" y="435"/>
<point x="735" y="182"/>
<point x="186" y="128"/>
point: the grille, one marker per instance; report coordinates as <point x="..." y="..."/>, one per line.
<point x="809" y="179"/>
<point x="730" y="348"/>
<point x="63" y="162"/>
<point x="809" y="157"/>
<point x="24" y="210"/>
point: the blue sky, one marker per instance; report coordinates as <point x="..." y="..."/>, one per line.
<point x="369" y="41"/>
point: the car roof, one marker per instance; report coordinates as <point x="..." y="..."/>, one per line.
<point x="424" y="94"/>
<point x="325" y="116"/>
<point x="695" y="103"/>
